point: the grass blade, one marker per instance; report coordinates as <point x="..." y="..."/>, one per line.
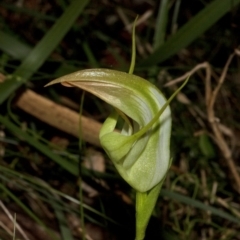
<point x="62" y="221"/>
<point x="44" y="189"/>
<point x="197" y="204"/>
<point x="161" y="24"/>
<point x="16" y="9"/>
<point x="27" y="210"/>
<point x="43" y="49"/>
<point x="65" y="164"/>
<point x="190" y="31"/>
<point x="12" y="46"/>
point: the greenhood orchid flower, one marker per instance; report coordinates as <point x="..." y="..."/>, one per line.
<point x="140" y="152"/>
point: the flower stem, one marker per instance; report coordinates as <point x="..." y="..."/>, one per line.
<point x="145" y="202"/>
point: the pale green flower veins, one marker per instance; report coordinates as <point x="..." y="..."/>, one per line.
<point x="140" y="152"/>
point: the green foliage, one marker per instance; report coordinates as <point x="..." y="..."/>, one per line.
<point x="34" y="60"/>
<point x="91" y="34"/>
<point x="190" y="31"/>
<point x="206" y="146"/>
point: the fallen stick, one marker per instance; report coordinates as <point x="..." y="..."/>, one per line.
<point x="58" y="116"/>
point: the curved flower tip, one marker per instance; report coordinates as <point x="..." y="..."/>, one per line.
<point x="140" y="152"/>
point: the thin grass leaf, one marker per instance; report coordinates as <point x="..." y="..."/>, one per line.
<point x="63" y="225"/>
<point x="45" y="190"/>
<point x="13" y="47"/>
<point x="29" y="12"/>
<point x="62" y="4"/>
<point x="197" y="204"/>
<point x="175" y="16"/>
<point x="90" y="55"/>
<point x="190" y="31"/>
<point x="27" y="210"/>
<point x="43" y="49"/>
<point x="65" y="164"/>
<point x="161" y="24"/>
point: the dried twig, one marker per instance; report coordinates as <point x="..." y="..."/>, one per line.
<point x="210" y="98"/>
<point x="58" y="116"/>
<point x="214" y="122"/>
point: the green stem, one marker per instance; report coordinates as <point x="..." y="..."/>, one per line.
<point x="133" y="58"/>
<point x="145" y="203"/>
<point x="140" y="224"/>
<point x="80" y="169"/>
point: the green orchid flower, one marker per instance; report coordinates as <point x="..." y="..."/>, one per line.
<point x="140" y="151"/>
